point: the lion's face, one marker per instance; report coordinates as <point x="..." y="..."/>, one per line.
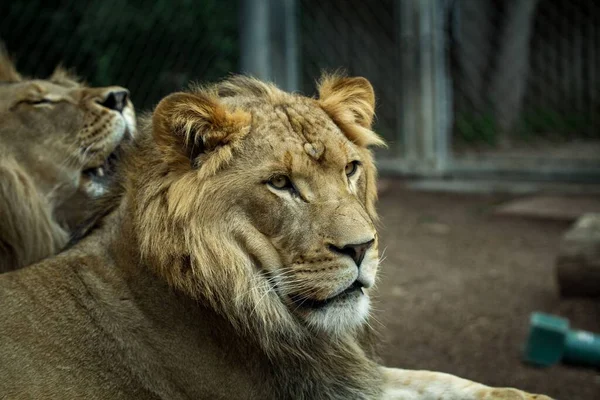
<point x="305" y="189"/>
<point x="262" y="202"/>
<point x="65" y="134"/>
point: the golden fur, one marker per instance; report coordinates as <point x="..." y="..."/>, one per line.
<point x="233" y="266"/>
<point x="53" y="133"/>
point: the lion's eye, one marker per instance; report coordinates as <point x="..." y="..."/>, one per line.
<point x="38" y="102"/>
<point x="280" y="182"/>
<point x="351" y="168"/>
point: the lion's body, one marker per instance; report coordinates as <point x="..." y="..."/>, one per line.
<point x="236" y="265"/>
<point x="122" y="336"/>
<point x="128" y="337"/>
<point x="54" y="134"/>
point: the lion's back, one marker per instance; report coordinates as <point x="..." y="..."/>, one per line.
<point x="38" y="305"/>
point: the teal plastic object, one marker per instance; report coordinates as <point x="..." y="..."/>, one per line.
<point x="551" y="340"/>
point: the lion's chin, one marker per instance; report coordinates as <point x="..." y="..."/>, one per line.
<point x="96" y="179"/>
<point x="339" y="316"/>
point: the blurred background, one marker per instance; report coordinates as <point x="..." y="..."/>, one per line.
<point x="491" y="109"/>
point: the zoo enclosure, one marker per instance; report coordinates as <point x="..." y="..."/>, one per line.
<point x="500" y="88"/>
<point x="465" y="88"/>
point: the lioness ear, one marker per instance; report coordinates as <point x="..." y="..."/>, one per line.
<point x="64" y="77"/>
<point x="8" y="72"/>
<point x="350" y="102"/>
<point x="187" y="125"/>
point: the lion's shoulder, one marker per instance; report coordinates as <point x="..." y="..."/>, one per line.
<point x="28" y="231"/>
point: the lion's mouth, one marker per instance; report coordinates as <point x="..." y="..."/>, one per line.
<point x="107" y="168"/>
<point x="356" y="289"/>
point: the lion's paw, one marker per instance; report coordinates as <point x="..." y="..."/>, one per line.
<point x="512" y="394"/>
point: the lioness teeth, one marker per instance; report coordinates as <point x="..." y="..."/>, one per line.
<point x="100" y="171"/>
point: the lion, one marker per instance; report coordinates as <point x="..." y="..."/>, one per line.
<point x="236" y="264"/>
<point x="58" y="142"/>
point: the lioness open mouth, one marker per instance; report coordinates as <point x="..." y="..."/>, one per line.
<point x="108" y="167"/>
<point x="356" y="289"/>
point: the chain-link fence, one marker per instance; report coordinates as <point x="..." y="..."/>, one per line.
<point x="454" y="78"/>
<point x="525" y="77"/>
<point x="151" y="47"/>
<point x="358" y="37"/>
<point x="461" y="78"/>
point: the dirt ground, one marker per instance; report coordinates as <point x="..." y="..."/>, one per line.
<point x="458" y="284"/>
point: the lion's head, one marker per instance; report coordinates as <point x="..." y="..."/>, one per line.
<point x="261" y="202"/>
<point x="57" y="141"/>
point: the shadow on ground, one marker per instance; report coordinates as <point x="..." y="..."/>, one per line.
<point x="457" y="287"/>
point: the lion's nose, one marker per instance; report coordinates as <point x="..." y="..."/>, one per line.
<point x="355" y="251"/>
<point x="115" y="100"/>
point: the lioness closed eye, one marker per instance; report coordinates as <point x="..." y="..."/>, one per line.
<point x="237" y="265"/>
<point x="58" y="140"/>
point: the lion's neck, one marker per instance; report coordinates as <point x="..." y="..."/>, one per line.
<point x="203" y="353"/>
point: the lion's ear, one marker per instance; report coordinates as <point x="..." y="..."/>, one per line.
<point x="350" y="102"/>
<point x="186" y="125"/>
<point x="64" y="77"/>
<point x="8" y="72"/>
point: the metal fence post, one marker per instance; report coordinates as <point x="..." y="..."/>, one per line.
<point x="269" y="41"/>
<point x="443" y="97"/>
<point x="407" y="93"/>
<point x="424" y="95"/>
<point x="426" y="77"/>
<point x="255" y="49"/>
<point x="285" y="44"/>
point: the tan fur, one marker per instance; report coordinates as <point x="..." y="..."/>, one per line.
<point x="209" y="280"/>
<point x="44" y="149"/>
<point x="8" y="72"/>
<point x="30" y="223"/>
<point x="350" y="102"/>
